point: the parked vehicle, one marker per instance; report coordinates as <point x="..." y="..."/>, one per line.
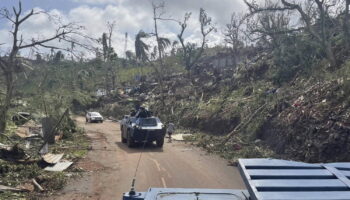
<point x="147" y="129"/>
<point x="126" y="123"/>
<point x="93" y="117"/>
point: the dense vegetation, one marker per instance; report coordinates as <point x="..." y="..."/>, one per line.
<point x="280" y="81"/>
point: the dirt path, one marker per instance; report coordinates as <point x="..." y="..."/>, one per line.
<point x="111" y="166"/>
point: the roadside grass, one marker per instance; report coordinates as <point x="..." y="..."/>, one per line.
<point x="249" y="98"/>
<point x="128" y="74"/>
<point x="74" y="145"/>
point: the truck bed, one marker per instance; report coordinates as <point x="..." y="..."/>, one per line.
<point x="271" y="179"/>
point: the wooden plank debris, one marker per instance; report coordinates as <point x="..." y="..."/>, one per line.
<point x="52" y="158"/>
<point x="29" y="129"/>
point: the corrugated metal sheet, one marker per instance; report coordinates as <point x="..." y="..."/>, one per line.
<point x="271" y="179"/>
<point x="52" y="158"/>
<point x="58" y="167"/>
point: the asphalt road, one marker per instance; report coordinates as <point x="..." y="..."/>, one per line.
<point x="111" y="165"/>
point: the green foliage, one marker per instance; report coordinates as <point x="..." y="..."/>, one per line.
<point x="116" y="110"/>
<point x="74" y="145"/>
<point x="294" y="53"/>
<point x="232" y="150"/>
<point x="54" y="181"/>
<point x="129" y="74"/>
<point x="12" y="174"/>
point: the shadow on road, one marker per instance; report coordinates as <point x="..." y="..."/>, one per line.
<point x="150" y="147"/>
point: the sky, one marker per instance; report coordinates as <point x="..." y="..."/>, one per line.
<point x="129" y="16"/>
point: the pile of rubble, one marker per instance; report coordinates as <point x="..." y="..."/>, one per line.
<point x="31" y="155"/>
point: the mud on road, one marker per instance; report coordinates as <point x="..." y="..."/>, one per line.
<point x="110" y="166"/>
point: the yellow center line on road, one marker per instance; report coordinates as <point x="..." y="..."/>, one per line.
<point x="164" y="183"/>
<point x="157" y="163"/>
<point x="167" y="172"/>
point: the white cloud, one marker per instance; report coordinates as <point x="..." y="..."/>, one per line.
<point x="5" y="37"/>
<point x="96" y="1"/>
<point x="131" y="16"/>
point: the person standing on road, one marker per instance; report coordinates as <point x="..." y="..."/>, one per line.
<point x="170" y="130"/>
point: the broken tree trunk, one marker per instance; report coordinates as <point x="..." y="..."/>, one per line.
<point x="37" y="185"/>
<point x="12" y="189"/>
<point x="8" y="75"/>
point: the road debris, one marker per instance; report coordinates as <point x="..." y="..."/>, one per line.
<point x="28" y="186"/>
<point x="180" y="137"/>
<point x="59" y="167"/>
<point x="27" y="160"/>
<point x="37" y="185"/>
<point x="52" y="158"/>
<point x="29" y="129"/>
<point x="13" y="189"/>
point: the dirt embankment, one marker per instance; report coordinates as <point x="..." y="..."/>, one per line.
<point x="306" y="118"/>
<point x="316" y="127"/>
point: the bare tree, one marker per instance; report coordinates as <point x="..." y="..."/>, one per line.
<point x="162" y="44"/>
<point x="109" y="56"/>
<point x="308" y="20"/>
<point x="189" y="51"/>
<point x="106" y="40"/>
<point x="271" y="28"/>
<point x="233" y="35"/>
<point x="11" y="62"/>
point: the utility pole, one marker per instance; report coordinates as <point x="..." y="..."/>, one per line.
<point x="126" y="43"/>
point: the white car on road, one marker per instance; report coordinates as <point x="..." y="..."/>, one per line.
<point x="93" y="117"/>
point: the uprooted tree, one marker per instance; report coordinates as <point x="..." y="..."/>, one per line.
<point x="11" y="63"/>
